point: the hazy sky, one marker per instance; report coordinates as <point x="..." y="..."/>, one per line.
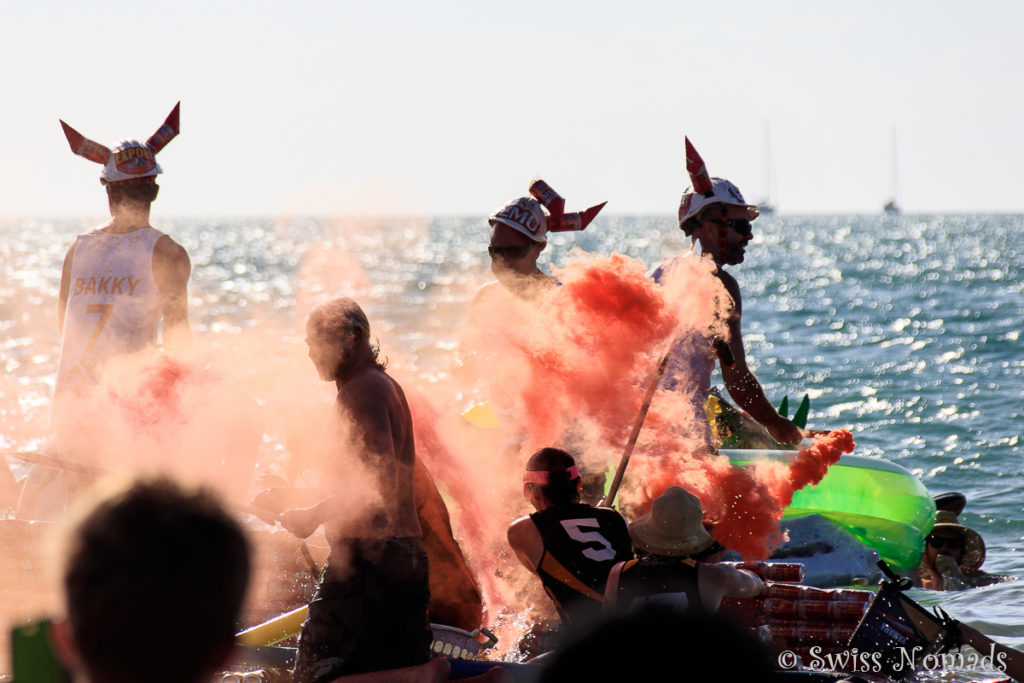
<point x="450" y="107"/>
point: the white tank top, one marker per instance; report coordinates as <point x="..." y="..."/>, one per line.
<point x="113" y="305"/>
<point x="692" y="358"/>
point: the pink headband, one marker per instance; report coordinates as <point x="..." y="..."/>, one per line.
<point x="544" y="476"/>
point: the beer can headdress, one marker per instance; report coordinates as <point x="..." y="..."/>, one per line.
<point x="129" y="160"/>
<point x="705" y="191"/>
<point x="526" y="215"/>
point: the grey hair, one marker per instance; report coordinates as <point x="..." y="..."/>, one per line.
<point x="341" y="315"/>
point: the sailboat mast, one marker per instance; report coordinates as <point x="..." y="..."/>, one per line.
<point x="895" y="171"/>
<point x="768" y="204"/>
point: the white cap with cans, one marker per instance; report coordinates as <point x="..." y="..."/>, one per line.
<point x="129" y="160"/>
<point x="524" y="215"/>
<point x="722" y="192"/>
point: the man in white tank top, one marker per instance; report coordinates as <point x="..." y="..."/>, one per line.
<point x="117" y="283"/>
<point x="122" y="278"/>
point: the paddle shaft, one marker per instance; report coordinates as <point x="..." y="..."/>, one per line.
<point x="652" y="385"/>
<point x="59" y="463"/>
<point x="82" y="468"/>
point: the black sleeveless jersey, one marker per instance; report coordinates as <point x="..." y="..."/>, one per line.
<point x="669" y="583"/>
<point x="581" y="544"/>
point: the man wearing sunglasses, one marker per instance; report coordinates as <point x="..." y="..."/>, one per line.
<point x="519" y="233"/>
<point x="518" y="236"/>
<point x="713" y="213"/>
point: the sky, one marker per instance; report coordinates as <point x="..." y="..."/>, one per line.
<point x="451" y="108"/>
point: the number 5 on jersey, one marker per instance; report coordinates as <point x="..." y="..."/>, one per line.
<point x="588" y="531"/>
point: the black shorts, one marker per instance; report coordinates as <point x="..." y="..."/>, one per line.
<point x="370" y="616"/>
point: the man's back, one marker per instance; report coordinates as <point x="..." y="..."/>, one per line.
<point x="113" y="303"/>
<point x="375" y="427"/>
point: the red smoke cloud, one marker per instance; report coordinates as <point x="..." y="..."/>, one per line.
<point x="744" y="504"/>
<point x="811" y="464"/>
<point x="589" y="352"/>
<point x="593" y="340"/>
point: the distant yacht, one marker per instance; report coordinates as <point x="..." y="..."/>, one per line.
<point x="892" y="207"/>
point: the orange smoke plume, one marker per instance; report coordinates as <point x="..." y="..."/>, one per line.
<point x="744" y="504"/>
<point x="602" y="325"/>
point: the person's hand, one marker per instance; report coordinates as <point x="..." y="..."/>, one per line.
<point x="946" y="564"/>
<point x="301" y="522"/>
<point x="953" y="578"/>
<point x="271" y="499"/>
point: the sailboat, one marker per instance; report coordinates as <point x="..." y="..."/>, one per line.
<point x="766" y="205"/>
<point x="892" y="206"/>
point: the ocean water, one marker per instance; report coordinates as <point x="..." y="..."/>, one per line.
<point x="903" y="329"/>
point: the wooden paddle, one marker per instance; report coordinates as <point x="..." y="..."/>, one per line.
<point x="652" y="385"/>
<point x="59" y="463"/>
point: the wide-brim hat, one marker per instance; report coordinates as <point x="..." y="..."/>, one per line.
<point x="524" y="215"/>
<point x="973" y="554"/>
<point x="722" y="192"/>
<point x="674" y="526"/>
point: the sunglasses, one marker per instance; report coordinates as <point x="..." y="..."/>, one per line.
<point x="512" y="253"/>
<point x="740" y="225"/>
<point x="952" y="543"/>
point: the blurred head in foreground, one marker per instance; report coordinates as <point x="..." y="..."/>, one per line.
<point x="154" y="576"/>
<point x="657" y="644"/>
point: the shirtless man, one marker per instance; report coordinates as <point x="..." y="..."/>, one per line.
<point x="519" y="233"/>
<point x="672" y="568"/>
<point x="119" y="280"/>
<point x="570" y="546"/>
<point x="715" y="216"/>
<point x="370" y="610"/>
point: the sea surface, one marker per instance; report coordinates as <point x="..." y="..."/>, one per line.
<point x="904" y="329"/>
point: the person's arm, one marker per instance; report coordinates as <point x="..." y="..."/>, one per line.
<point x="278" y="499"/>
<point x="1006" y="659"/>
<point x="717" y="581"/>
<point x="171" y="270"/>
<point x="65" y="287"/>
<point x="526" y="543"/>
<point x="743" y="386"/>
<point x="302" y="522"/>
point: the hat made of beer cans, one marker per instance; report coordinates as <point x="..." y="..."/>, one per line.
<point x="705" y="190"/>
<point x="129" y="160"/>
<point x="525" y="214"/>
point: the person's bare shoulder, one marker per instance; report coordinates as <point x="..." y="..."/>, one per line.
<point x="171" y="253"/>
<point x="489" y="294"/>
<point x="525" y="541"/>
<point x="731" y="285"/>
<point x="369" y="390"/>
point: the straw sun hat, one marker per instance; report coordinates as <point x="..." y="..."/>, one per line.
<point x="673" y="527"/>
<point x="973" y="555"/>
